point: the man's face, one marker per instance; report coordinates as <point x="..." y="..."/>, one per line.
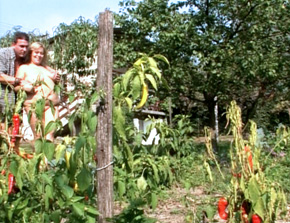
<point x="20" y="47"/>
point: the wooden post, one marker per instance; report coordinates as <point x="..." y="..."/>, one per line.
<point x="104" y="128"/>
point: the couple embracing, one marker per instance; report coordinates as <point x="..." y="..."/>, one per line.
<point x="24" y="67"/>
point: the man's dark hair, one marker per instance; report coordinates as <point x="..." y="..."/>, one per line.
<point x="20" y="35"/>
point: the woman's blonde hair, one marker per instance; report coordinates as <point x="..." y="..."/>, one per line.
<point x="35" y="46"/>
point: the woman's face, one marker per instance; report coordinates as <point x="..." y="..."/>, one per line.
<point x="37" y="56"/>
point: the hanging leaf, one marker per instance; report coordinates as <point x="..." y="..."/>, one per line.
<point x="79" y="143"/>
<point x="126" y="78"/>
<point x="119" y="121"/>
<point x="48" y="149"/>
<point x="116" y="90"/>
<point x="136" y="88"/>
<point x="253" y="190"/>
<point x="161" y="57"/>
<point x="152" y="80"/>
<point x="84" y="179"/>
<point x="92" y="122"/>
<point x="50" y="127"/>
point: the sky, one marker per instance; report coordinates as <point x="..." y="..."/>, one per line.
<point x="43" y="16"/>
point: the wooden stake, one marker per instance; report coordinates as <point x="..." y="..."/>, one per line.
<point x="104" y="128"/>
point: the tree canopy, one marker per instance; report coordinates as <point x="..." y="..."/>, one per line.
<point x="218" y="50"/>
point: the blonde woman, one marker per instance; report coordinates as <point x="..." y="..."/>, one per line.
<point x="41" y="80"/>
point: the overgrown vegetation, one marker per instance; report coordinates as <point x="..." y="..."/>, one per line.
<point x="209" y="59"/>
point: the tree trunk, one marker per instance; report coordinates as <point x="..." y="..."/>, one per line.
<point x="211" y="105"/>
<point x="104" y="128"/>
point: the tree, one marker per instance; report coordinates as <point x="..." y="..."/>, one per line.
<point x="217" y="49"/>
<point x="75" y="46"/>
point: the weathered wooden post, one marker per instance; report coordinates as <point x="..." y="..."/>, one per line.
<point x="104" y="129"/>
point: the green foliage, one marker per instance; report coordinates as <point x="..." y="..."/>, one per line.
<point x="74" y="46"/>
<point x="229" y="50"/>
<point x="177" y="139"/>
<point x="46" y="192"/>
<point x="58" y="182"/>
<point x="34" y="36"/>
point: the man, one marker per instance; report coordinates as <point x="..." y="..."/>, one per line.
<point x="10" y="60"/>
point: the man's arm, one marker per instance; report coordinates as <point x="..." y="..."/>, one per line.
<point x="4" y="77"/>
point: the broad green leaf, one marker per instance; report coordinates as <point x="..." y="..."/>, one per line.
<point x="152" y="62"/>
<point x="92" y="122"/>
<point x="51" y="126"/>
<point x="48" y="149"/>
<point x="59" y="152"/>
<point x="126" y="78"/>
<point x="76" y="199"/>
<point x="119" y="121"/>
<point x="79" y="208"/>
<point x="79" y="143"/>
<point x="161" y="57"/>
<point x="38" y="145"/>
<point x="259" y="207"/>
<point x="92" y="210"/>
<point x="84" y="179"/>
<point x="152" y="80"/>
<point x="94" y="97"/>
<point x="13" y="167"/>
<point x="139" y="62"/>
<point x="156" y="71"/>
<point x="136" y="87"/>
<point x="117" y="90"/>
<point x="210" y="212"/>
<point x="253" y="190"/>
<point x="67" y="191"/>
